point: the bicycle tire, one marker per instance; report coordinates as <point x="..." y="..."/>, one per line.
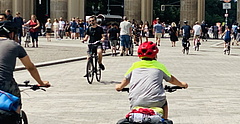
<point x="97" y="71"/>
<point x="24" y="119"/>
<point x="90" y="71"/>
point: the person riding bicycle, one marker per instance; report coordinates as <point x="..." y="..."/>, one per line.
<point x="9" y="51"/>
<point x="227" y="37"/>
<point x="145" y="79"/>
<point x="95" y="33"/>
<point x="197" y="30"/>
<point x="186" y="31"/>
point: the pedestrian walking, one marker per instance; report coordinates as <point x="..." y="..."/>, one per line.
<point x="157" y="32"/>
<point x="173" y="31"/>
<point x="125" y="33"/>
<point x="48" y="27"/>
<point x="113" y="35"/>
<point x="56" y="28"/>
<point x="18" y="20"/>
<point x="61" y="27"/>
<point x="34" y="29"/>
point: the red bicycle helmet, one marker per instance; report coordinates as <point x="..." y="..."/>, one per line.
<point x="147" y="49"/>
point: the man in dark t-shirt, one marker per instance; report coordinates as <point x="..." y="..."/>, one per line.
<point x="113" y="34"/>
<point x="95" y="33"/>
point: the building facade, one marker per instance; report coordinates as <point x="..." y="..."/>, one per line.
<point x="190" y="10"/>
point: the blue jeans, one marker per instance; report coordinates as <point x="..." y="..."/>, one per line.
<point x="125" y="41"/>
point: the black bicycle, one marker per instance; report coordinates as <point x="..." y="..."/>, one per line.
<point x="92" y="63"/>
<point x="150" y="120"/>
<point x="227" y="50"/>
<point x="23" y="115"/>
<point x="197" y="46"/>
<point x="186" y="45"/>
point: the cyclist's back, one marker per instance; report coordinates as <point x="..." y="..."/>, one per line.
<point x="186" y="29"/>
<point x="150" y="74"/>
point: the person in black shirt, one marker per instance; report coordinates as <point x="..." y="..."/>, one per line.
<point x="95" y="33"/>
<point x="9" y="15"/>
<point x="113" y="35"/>
<point x="18" y="20"/>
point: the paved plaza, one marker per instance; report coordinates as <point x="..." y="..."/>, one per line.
<point x="212" y="96"/>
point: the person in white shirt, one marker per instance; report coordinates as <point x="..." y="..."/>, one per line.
<point x="56" y="28"/>
<point x="197" y="30"/>
<point x="125" y="34"/>
<point x="61" y="27"/>
<point x="48" y="27"/>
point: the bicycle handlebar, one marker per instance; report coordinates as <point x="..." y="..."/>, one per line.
<point x="32" y="87"/>
<point x="96" y="42"/>
<point x="166" y="88"/>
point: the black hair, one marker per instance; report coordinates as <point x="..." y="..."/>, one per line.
<point x="7" y="27"/>
<point x="3" y="14"/>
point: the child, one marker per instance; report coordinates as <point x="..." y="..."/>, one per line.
<point x="145" y="78"/>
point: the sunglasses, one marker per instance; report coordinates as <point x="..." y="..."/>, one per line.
<point x="91" y="20"/>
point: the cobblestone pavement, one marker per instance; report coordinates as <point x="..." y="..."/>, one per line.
<point x="212" y="96"/>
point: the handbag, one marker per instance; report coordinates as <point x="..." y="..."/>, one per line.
<point x="8" y="102"/>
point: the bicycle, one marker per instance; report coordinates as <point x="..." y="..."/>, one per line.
<point x="92" y="63"/>
<point x="147" y="119"/>
<point x="197" y="46"/>
<point x="227" y="50"/>
<point x="27" y="40"/>
<point x="186" y="45"/>
<point x="22" y="119"/>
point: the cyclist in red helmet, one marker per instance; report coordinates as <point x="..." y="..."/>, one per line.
<point x="145" y="80"/>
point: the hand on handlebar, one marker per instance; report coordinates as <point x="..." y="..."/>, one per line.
<point x="185" y="85"/>
<point x="45" y="83"/>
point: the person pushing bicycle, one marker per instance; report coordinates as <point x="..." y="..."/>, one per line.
<point x="145" y="80"/>
<point x="95" y="33"/>
<point x="9" y="51"/>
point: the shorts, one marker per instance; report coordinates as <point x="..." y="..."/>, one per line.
<point x="125" y="41"/>
<point x="113" y="43"/>
<point x="158" y="35"/>
<point x="160" y="104"/>
<point x="49" y="30"/>
<point x="196" y="36"/>
<point x="92" y="48"/>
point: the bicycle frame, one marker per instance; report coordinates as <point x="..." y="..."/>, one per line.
<point x="92" y="64"/>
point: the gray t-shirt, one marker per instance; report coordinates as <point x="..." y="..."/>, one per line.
<point x="9" y="51"/>
<point x="146" y="88"/>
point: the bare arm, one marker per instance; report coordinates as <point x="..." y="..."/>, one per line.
<point x="124" y="83"/>
<point x="33" y="70"/>
<point x="175" y="81"/>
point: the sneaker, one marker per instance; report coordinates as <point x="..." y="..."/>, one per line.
<point x="85" y="75"/>
<point x="102" y="66"/>
<point x="127" y="55"/>
<point x="121" y="54"/>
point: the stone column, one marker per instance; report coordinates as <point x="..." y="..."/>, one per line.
<point x="58" y="8"/>
<point x="132" y="9"/>
<point x="27" y="9"/>
<point x="17" y="6"/>
<point x="5" y="4"/>
<point x="201" y="10"/>
<point x="238" y="11"/>
<point x="188" y="11"/>
<point x="76" y="9"/>
<point x="147" y="10"/>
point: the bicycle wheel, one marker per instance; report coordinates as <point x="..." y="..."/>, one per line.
<point x="90" y="71"/>
<point x="23" y="117"/>
<point x="98" y="73"/>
